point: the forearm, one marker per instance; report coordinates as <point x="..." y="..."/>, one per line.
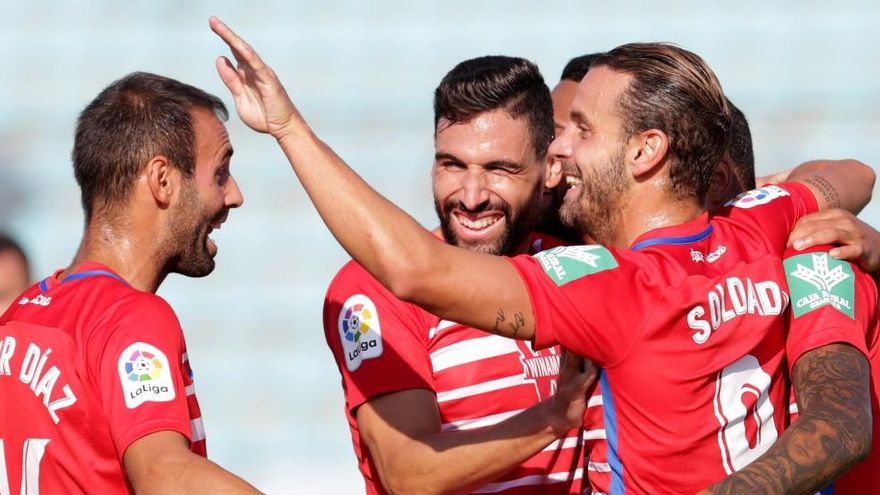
<point x="161" y="463"/>
<point x="845" y="184"/>
<point x="832" y="433"/>
<point x="368" y="226"/>
<point x="194" y="475"/>
<point x="471" y="288"/>
<point x="460" y="462"/>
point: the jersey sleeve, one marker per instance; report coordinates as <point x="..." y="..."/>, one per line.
<point x="136" y="353"/>
<point x="378" y="341"/>
<point x="773" y="209"/>
<point x="832" y="302"/>
<point x="587" y="299"/>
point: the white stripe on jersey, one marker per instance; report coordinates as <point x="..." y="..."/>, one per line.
<point x="597" y="434"/>
<point x="594" y="401"/>
<point x="535" y="479"/>
<point x="443" y="325"/>
<point x="469" y="424"/>
<point x="468" y="351"/>
<point x="190" y="389"/>
<point x="565" y="443"/>
<point x="599" y="467"/>
<point x="480" y="388"/>
<point x="185" y="357"/>
<point x="198" y="429"/>
<point x="793" y="408"/>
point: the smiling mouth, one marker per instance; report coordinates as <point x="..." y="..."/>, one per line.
<point x="478" y="224"/>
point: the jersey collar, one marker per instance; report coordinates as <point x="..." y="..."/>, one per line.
<point x="686" y="233"/>
<point x="85" y="270"/>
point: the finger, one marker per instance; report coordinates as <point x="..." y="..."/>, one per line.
<point x="852" y="253"/>
<point x="229" y="75"/>
<point x="241" y="50"/>
<point x="818" y="237"/>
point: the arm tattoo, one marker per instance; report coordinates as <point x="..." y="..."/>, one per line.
<point x="833" y="389"/>
<point x="829" y="193"/>
<point x="518" y="322"/>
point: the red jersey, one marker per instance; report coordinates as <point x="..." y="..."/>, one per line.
<point x="835" y="302"/>
<point x="88" y="365"/>
<point x="595" y="462"/>
<point x="688" y="327"/>
<point x="384" y="345"/>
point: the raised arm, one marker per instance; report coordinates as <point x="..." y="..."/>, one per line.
<point x="471" y="288"/>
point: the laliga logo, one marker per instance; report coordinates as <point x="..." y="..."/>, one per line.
<point x="145" y="375"/>
<point x="359" y="330"/>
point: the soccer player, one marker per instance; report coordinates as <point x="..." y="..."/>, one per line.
<point x="831" y="340"/>
<point x="651" y="124"/>
<point x="97" y="388"/>
<point x="15" y="273"/>
<point x="436" y="406"/>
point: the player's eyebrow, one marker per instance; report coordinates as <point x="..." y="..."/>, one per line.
<point x="442" y="155"/>
<point x="579" y="117"/>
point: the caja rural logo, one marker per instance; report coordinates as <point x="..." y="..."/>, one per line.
<point x="359" y="330"/>
<point x="756" y="197"/>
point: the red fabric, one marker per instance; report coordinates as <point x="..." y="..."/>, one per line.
<point x="83" y="328"/>
<point x="690" y="332"/>
<point x="479" y="379"/>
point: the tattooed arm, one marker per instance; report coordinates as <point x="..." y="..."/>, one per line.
<point x="833" y="432"/>
<point x="845" y="184"/>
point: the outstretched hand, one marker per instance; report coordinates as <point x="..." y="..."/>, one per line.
<point x="261" y="101"/>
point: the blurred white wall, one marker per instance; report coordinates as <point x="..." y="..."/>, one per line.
<point x="805" y="73"/>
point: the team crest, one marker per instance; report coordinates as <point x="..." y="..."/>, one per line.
<point x="359" y="331"/>
<point x="757" y="197"/>
<point x="568" y="263"/>
<point x="817" y="280"/>
<point x="145" y="375"/>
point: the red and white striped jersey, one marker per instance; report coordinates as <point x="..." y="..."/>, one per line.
<point x="383" y="345"/>
<point x="88" y="365"/>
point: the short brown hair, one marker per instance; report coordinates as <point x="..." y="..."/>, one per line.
<point x="134" y="119"/>
<point x="494" y="82"/>
<point x="675" y="91"/>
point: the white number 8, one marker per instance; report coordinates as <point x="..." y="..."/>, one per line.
<point x="745" y="413"/>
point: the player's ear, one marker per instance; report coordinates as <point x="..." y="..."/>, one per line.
<point x="646" y="151"/>
<point x="552" y="173"/>
<point x="162" y="180"/>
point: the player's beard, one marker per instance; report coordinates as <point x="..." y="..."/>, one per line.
<point x="596" y="212"/>
<point x="517" y="225"/>
<point x="188" y="236"/>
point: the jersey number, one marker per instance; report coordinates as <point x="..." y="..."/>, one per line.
<point x="31" y="454"/>
<point x="745" y="413"/>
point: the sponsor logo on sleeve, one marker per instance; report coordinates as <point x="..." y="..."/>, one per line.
<point x="359" y="331"/>
<point x="756" y="197"/>
<point x="818" y="280"/>
<point x="145" y="375"/>
<point x="568" y="263"/>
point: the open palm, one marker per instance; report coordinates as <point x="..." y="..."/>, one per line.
<point x="261" y="101"/>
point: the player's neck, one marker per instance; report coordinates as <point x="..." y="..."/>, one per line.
<point x="653" y="210"/>
<point x="125" y="250"/>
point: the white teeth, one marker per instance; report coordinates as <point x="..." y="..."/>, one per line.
<point x="477" y="224"/>
<point x="573" y="181"/>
